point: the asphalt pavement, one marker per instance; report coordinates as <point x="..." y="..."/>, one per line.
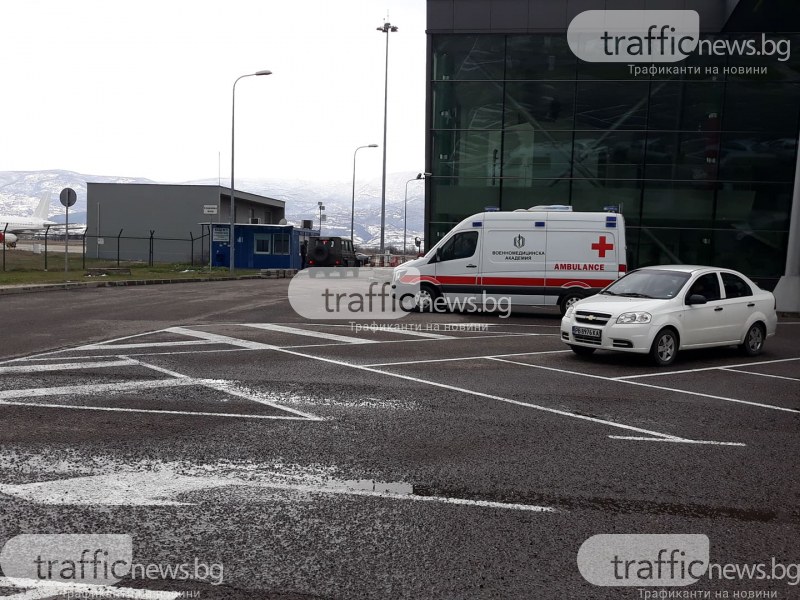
<point x="461" y="456"/>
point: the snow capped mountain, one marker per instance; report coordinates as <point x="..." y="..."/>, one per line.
<point x="20" y="192"/>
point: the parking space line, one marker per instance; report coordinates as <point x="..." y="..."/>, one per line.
<point x="105" y="346"/>
<point x="220" y="339"/>
<point x="316" y="334"/>
<point x="556" y="411"/>
<point x="682" y="441"/>
<point x="438" y="360"/>
<point x="36" y="588"/>
<point x="153" y="411"/>
<point x="67" y="366"/>
<point x="95" y="388"/>
<point x="657" y="387"/>
<point x="759" y="374"/>
<point x="701" y="369"/>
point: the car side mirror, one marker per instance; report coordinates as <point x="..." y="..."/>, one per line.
<point x="696" y="299"/>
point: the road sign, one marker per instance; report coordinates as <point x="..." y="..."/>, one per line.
<point x="221" y="234"/>
<point x="209" y="209"/>
<point x="68" y="197"/>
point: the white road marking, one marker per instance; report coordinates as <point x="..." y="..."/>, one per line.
<point x="316" y="334"/>
<point x="49" y="589"/>
<point x="701" y="369"/>
<point x="159" y="488"/>
<point x="155" y="411"/>
<point x="220" y="339"/>
<point x="67" y="366"/>
<point x="438" y="360"/>
<point x="657" y="387"/>
<point x="230" y="388"/>
<point x="671" y="437"/>
<point x="105" y="346"/>
<point x="682" y="441"/>
<point x="743" y="372"/>
<point x="96" y="388"/>
<point x="481" y="394"/>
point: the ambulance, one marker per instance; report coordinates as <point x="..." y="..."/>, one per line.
<point x="541" y="256"/>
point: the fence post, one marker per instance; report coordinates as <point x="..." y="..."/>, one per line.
<point x="5" y="230"/>
<point x="83" y="261"/>
<point x="191" y="257"/>
<point x="46" y="233"/>
<point x="119" y="237"/>
<point x="150" y="257"/>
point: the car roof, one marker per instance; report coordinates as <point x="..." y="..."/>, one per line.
<point x="682" y="268"/>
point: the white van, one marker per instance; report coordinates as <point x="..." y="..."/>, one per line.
<point x="545" y="255"/>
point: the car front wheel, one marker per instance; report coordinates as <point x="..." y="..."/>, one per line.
<point x="664" y="348"/>
<point x="754" y="340"/>
<point x="582" y="350"/>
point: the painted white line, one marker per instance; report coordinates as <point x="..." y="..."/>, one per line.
<point x="154" y="411"/>
<point x="67" y="366"/>
<point x="743" y="372"/>
<point x="657" y="387"/>
<point x="674" y="438"/>
<point x="414" y="333"/>
<point x="96" y="388"/>
<point x="161" y="369"/>
<point x="481" y="394"/>
<point x="50" y="589"/>
<point x="316" y="334"/>
<point x="681" y="441"/>
<point x="230" y="388"/>
<point x="161" y="488"/>
<point x="220" y="339"/>
<point x="106" y="346"/>
<point x="438" y="360"/>
<point x="700" y="370"/>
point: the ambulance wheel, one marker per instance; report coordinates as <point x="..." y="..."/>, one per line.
<point x="425" y="298"/>
<point x="568" y="300"/>
<point x="582" y="350"/>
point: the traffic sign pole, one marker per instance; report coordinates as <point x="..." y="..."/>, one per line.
<point x="68" y="198"/>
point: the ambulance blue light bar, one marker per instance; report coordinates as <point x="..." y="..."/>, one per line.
<point x="611" y="222"/>
<point x="477" y="223"/>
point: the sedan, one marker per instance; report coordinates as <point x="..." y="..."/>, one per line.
<point x="660" y="310"/>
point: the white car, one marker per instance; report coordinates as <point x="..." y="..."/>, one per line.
<point x="660" y="310"/>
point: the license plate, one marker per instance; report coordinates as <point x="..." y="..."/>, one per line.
<point x="587" y="332"/>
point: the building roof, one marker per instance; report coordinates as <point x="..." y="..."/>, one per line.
<point x="224" y="192"/>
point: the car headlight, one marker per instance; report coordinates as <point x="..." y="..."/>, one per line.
<point x="568" y="314"/>
<point x="634" y="317"/>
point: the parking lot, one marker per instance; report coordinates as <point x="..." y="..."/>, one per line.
<point x="441" y="456"/>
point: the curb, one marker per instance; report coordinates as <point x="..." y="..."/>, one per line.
<point x="53" y="287"/>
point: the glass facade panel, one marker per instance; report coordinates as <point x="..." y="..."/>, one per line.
<point x="469" y="57"/>
<point x="701" y="164"/>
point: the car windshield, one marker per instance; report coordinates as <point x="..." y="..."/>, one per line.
<point x="648" y="284"/>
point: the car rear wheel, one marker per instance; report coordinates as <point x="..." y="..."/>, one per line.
<point x="753" y="340"/>
<point x="582" y="350"/>
<point x="664" y="348"/>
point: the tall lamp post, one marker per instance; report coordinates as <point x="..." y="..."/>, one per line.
<point x="386" y="28"/>
<point x="353" y="207"/>
<point x="233" y="151"/>
<point x="405" y="206"/>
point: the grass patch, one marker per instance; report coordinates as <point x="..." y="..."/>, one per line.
<point x="24" y="267"/>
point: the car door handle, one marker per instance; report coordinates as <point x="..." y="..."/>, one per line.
<point x="472" y="266"/>
<point x="719" y="308"/>
<point x="751" y="305"/>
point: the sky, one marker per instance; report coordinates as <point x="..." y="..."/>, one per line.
<point x="143" y="88"/>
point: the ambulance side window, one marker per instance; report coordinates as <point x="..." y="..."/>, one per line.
<point x="461" y="245"/>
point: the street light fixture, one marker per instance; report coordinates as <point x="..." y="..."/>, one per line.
<point x="233" y="150"/>
<point x="405" y="206"/>
<point x="386" y="28"/>
<point x="353" y="207"/>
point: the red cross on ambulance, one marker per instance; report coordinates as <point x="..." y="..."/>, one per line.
<point x="601" y="246"/>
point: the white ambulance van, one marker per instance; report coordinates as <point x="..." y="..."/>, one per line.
<point x="545" y="255"/>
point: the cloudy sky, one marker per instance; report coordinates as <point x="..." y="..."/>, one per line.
<point x="143" y="88"/>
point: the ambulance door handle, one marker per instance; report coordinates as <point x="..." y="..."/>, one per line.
<point x="472" y="266"/>
<point x="719" y="308"/>
<point x="751" y="305"/>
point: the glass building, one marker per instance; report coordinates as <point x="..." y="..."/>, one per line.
<point x="702" y="164"/>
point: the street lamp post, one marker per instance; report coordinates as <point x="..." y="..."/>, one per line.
<point x="233" y="151"/>
<point x="386" y="28"/>
<point x="405" y="207"/>
<point x="353" y="207"/>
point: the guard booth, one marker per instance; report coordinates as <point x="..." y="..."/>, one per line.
<point x="259" y="246"/>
